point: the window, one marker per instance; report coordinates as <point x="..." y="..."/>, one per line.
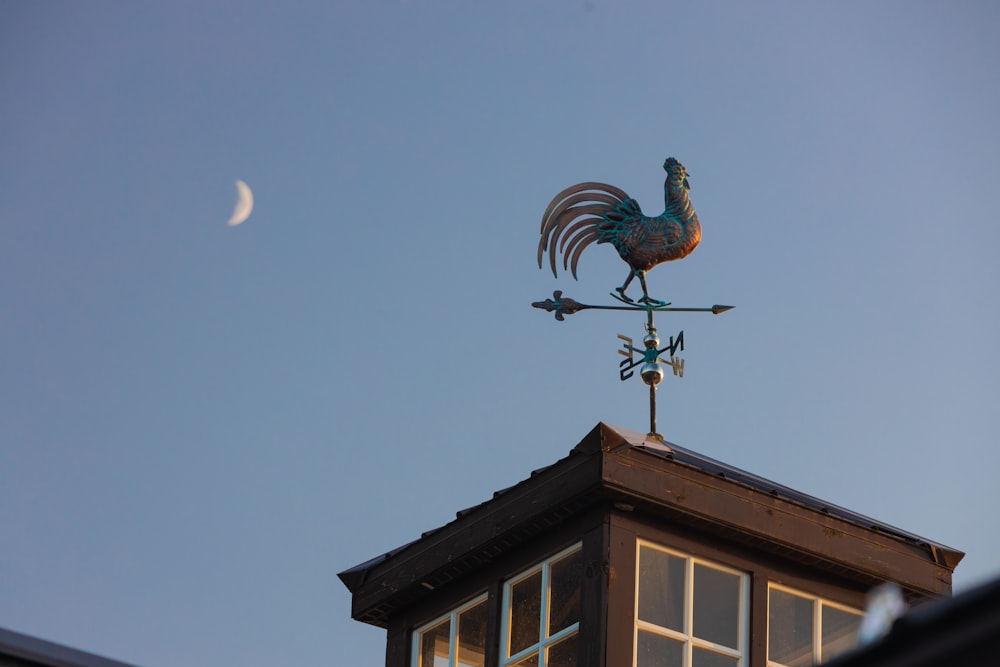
<point x="689" y="612"/>
<point x="541" y="613"/>
<point x="803" y="630"/>
<point x="455" y="640"/>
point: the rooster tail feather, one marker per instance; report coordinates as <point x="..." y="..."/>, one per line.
<point x="573" y="208"/>
<point x="573" y="230"/>
<point x="583" y="187"/>
<point x="562" y="219"/>
<point x="568" y="216"/>
<point x="580" y="242"/>
<point x="553" y="242"/>
<point x="577" y="200"/>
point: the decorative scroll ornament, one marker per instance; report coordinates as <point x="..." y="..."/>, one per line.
<point x="589" y="212"/>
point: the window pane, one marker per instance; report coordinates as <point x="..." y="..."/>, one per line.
<point x="434" y="645"/>
<point x="525" y="613"/>
<point x="789" y="629"/>
<point x="564" y="653"/>
<point x="530" y="661"/>
<point x="840" y="631"/>
<point x="716" y="606"/>
<point x="472" y="636"/>
<point x="656" y="651"/>
<point x="661" y="589"/>
<point x="704" y="658"/>
<point x="564" y="599"/>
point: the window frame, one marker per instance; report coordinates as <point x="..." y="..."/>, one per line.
<point x="690" y="641"/>
<point x="452" y="618"/>
<point x="505" y="659"/>
<point x="818" y="602"/>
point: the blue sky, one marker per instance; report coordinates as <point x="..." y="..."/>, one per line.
<point x="200" y="425"/>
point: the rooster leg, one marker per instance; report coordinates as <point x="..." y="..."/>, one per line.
<point x="645" y="298"/>
<point x="621" y="290"/>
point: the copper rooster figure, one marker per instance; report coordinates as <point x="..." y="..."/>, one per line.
<point x="588" y="212"/>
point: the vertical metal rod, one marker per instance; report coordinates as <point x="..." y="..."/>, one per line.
<point x="650" y="329"/>
<point x="652" y="409"/>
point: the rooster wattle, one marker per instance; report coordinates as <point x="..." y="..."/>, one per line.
<point x="588" y="212"/>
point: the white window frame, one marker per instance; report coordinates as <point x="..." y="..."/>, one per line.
<point x="817" y="614"/>
<point x="544" y="639"/>
<point x="452" y="617"/>
<point x="741" y="652"/>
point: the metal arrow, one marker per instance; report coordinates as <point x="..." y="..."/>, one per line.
<point x="566" y="306"/>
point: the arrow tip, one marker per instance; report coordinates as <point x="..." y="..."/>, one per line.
<point x="721" y="309"/>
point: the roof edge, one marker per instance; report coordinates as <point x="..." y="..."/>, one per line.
<point x="50" y="654"/>
<point x="941" y="554"/>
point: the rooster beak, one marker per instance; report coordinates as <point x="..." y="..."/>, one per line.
<point x="686" y="184"/>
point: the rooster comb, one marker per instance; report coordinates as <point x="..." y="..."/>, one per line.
<point x="670" y="163"/>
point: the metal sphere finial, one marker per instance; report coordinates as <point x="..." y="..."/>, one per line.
<point x="651" y="373"/>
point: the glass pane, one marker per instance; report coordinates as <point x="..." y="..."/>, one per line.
<point x="564" y="653"/>
<point x="789" y="629"/>
<point x="525" y="613"/>
<point x="661" y="589"/>
<point x="530" y="661"/>
<point x="565" y="579"/>
<point x="656" y="651"/>
<point x="716" y="606"/>
<point x="472" y="636"/>
<point x="704" y="658"/>
<point x="840" y="631"/>
<point x="434" y="645"/>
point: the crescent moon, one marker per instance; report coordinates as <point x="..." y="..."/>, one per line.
<point x="244" y="204"/>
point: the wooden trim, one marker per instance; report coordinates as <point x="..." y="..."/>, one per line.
<point x="494" y="599"/>
<point x="770" y="523"/>
<point x="758" y="618"/>
<point x="594" y="597"/>
<point x="621" y="593"/>
<point x="397" y="647"/>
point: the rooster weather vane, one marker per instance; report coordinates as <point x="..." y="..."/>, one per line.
<point x="588" y="212"/>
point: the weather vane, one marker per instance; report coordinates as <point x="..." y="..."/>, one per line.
<point x="588" y="212"/>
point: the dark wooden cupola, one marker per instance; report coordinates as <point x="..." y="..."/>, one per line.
<point x="633" y="551"/>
